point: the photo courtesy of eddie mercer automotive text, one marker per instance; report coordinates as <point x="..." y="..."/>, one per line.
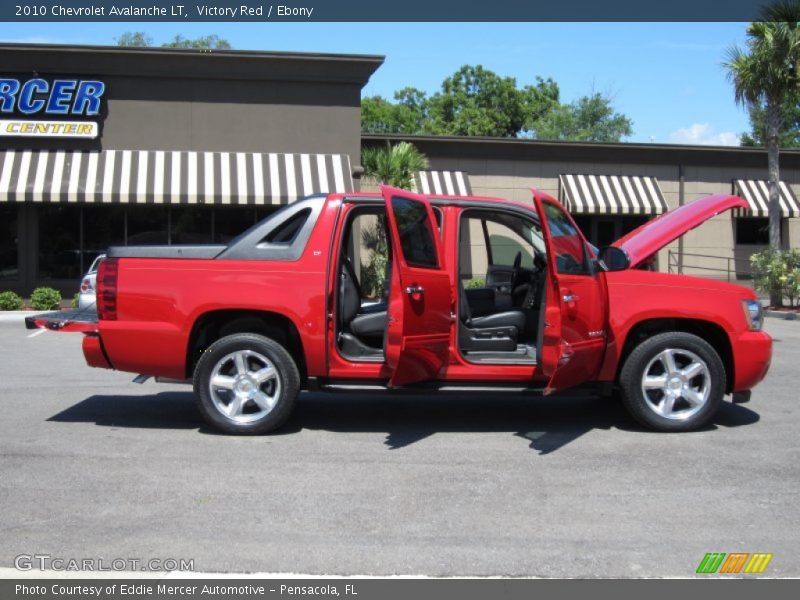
<point x="283" y="307"/>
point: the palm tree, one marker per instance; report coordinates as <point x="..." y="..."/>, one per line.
<point x="393" y="165"/>
<point x="766" y="75"/>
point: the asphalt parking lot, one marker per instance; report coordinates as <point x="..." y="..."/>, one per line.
<point x="92" y="465"/>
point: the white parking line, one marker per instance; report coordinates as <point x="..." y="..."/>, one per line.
<point x="35" y="333"/>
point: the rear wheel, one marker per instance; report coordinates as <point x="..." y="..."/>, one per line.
<point x="246" y="384"/>
<point x="673" y="381"/>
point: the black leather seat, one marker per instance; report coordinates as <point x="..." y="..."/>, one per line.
<point x="506" y="318"/>
<point x="368" y="321"/>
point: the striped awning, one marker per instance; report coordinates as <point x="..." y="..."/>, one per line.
<point x="158" y="177"/>
<point x="611" y="194"/>
<point x="448" y="183"/>
<point x="756" y="192"/>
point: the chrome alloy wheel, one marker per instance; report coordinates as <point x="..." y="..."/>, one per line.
<point x="244" y="386"/>
<point x="676" y="384"/>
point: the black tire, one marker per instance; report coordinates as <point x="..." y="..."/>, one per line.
<point x="253" y="348"/>
<point x="673" y="343"/>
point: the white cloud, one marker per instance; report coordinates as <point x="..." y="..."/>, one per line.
<point x="703" y="134"/>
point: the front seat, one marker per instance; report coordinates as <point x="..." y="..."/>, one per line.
<point x="506" y="318"/>
<point x="369" y="321"/>
<point x="495" y="332"/>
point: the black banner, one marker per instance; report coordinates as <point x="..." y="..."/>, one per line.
<point x="372" y="11"/>
<point x="389" y="589"/>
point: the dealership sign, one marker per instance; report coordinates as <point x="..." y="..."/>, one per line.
<point x="40" y="107"/>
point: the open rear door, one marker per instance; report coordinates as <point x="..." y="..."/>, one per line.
<point x="574" y="335"/>
<point x="420" y="300"/>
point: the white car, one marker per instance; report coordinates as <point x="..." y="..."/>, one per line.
<point x="87" y="297"/>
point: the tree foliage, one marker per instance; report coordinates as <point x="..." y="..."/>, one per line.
<point x="140" y="39"/>
<point x="206" y="42"/>
<point x="475" y="101"/>
<point x="136" y="39"/>
<point x="393" y="165"/>
<point x="789" y="137"/>
<point x="766" y="79"/>
<point x="588" y="119"/>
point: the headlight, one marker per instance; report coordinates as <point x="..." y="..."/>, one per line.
<point x="753" y="314"/>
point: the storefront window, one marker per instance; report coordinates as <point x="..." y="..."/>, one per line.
<point x="752" y="231"/>
<point x="147" y="225"/>
<point x="191" y="225"/>
<point x="103" y="226"/>
<point x="9" y="242"/>
<point x="231" y="221"/>
<point x="604" y="230"/>
<point x="59" y="241"/>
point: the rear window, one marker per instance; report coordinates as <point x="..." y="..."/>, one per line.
<point x="286" y="232"/>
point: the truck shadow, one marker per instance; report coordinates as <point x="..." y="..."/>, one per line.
<point x="547" y="424"/>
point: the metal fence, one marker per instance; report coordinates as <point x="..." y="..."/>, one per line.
<point x="677" y="263"/>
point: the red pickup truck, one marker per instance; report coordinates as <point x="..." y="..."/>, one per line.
<point x="397" y="290"/>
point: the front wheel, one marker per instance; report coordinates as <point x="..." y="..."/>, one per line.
<point x="673" y="381"/>
<point x="246" y="384"/>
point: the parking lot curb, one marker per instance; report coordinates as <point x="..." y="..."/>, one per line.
<point x="13" y="316"/>
<point x="778" y="314"/>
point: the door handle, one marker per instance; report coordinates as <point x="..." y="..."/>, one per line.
<point x="568" y="298"/>
<point x="415" y="290"/>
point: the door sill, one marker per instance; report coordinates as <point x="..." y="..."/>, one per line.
<point x="350" y="386"/>
<point x="523" y="355"/>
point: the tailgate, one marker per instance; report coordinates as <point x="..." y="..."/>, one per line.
<point x="73" y="320"/>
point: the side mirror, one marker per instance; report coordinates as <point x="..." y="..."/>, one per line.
<point x="613" y="258"/>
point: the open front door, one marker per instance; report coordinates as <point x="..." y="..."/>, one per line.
<point x="420" y="299"/>
<point x="574" y="335"/>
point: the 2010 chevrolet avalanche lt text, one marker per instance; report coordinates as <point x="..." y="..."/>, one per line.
<point x="402" y="291"/>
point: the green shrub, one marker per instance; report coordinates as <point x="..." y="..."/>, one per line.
<point x="373" y="275"/>
<point x="74" y="302"/>
<point x="777" y="273"/>
<point x="476" y="282"/>
<point x="10" y="301"/>
<point x="374" y="271"/>
<point x="45" y="298"/>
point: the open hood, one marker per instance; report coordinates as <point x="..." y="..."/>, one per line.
<point x="654" y="235"/>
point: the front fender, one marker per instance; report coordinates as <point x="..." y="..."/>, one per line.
<point x="637" y="296"/>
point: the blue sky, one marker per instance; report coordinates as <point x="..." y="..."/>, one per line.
<point x="667" y="77"/>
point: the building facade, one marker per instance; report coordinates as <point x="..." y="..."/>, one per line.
<point x="613" y="188"/>
<point x="104" y="145"/>
<point x="108" y="146"/>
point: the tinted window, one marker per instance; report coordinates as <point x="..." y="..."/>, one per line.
<point x="230" y="222"/>
<point x="60" y="241"/>
<point x="416" y="233"/>
<point x="191" y="225"/>
<point x="147" y="225"/>
<point x="752" y="230"/>
<point x="286" y="232"/>
<point x="570" y="253"/>
<point x="9" y="241"/>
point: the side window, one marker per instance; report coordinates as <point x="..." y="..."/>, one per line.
<point x="286" y="232"/>
<point x="568" y="247"/>
<point x="473" y="254"/>
<point x="416" y="233"/>
<point x="493" y="240"/>
<point x="505" y="243"/>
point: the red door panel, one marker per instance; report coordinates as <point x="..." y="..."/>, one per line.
<point x="574" y="336"/>
<point x="420" y="299"/>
